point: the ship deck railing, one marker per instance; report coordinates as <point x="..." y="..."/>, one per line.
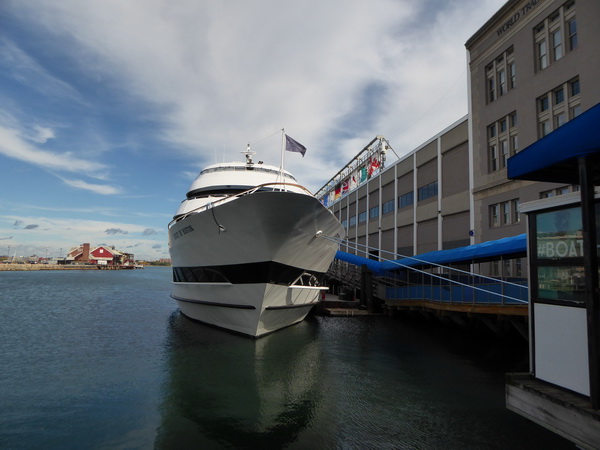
<point x="261" y="187"/>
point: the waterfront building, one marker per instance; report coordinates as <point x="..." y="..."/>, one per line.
<point x="417" y="204"/>
<point x="532" y="68"/>
<point x="101" y="255"/>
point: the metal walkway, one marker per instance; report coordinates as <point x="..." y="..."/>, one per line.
<point x="430" y="281"/>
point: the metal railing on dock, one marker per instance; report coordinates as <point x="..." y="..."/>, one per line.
<point x="426" y="281"/>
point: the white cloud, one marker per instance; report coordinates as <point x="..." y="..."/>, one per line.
<point x="236" y="71"/>
<point x="103" y="189"/>
<point x="13" y="145"/>
<point x="219" y="74"/>
<point x="42" y="134"/>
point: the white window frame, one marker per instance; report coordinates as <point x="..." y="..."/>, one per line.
<point x="502" y="141"/>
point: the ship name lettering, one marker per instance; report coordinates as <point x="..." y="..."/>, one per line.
<point x="184" y="230"/>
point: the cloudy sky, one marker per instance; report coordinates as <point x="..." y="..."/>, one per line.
<point x="109" y="108"/>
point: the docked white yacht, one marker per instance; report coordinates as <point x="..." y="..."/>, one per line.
<point x="246" y="249"/>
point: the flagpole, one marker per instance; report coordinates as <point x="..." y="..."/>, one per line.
<point x="282" y="167"/>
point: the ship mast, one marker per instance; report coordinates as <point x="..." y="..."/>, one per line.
<point x="248" y="154"/>
<point x="282" y="167"/>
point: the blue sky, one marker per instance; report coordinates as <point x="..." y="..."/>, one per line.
<point x="109" y="108"/>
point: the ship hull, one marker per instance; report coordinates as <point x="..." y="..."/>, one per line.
<point x="237" y="265"/>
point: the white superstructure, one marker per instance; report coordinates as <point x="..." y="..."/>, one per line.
<point x="245" y="248"/>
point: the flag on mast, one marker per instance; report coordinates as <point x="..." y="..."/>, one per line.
<point x="292" y="145"/>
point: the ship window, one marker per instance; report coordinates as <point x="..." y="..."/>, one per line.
<point x="198" y="275"/>
<point x="246" y="167"/>
<point x="260" y="272"/>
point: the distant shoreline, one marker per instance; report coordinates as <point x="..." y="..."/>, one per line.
<point x="29" y="267"/>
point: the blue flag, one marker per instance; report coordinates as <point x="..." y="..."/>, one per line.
<point x="294" y="146"/>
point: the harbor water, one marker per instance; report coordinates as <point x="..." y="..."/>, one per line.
<point x="104" y="360"/>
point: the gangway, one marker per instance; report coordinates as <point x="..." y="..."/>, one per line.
<point x="430" y="282"/>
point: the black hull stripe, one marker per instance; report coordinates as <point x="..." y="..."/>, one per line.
<point x="221" y="305"/>
<point x="306" y="305"/>
<point x="249" y="273"/>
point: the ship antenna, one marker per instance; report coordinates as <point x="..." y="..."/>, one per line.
<point x="248" y="153"/>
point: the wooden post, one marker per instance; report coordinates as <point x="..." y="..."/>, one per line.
<point x="366" y="288"/>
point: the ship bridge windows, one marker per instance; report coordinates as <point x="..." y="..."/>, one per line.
<point x="219" y="192"/>
<point x="255" y="168"/>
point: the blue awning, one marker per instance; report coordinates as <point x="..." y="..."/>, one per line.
<point x="514" y="247"/>
<point x="372" y="265"/>
<point x="555" y="157"/>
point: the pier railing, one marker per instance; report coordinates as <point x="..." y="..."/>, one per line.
<point x="430" y="281"/>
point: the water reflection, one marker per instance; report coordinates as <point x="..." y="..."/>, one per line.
<point x="231" y="391"/>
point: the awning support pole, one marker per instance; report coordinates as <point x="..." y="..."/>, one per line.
<point x="590" y="261"/>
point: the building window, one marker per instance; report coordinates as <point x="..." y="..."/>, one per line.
<point x="574" y="87"/>
<point x="506" y="268"/>
<point x="388" y="207"/>
<point x="362" y="217"/>
<point x="352" y="221"/>
<point x="345" y="224"/>
<point x="559" y="96"/>
<point x="558" y="28"/>
<point x="502" y="82"/>
<point x="518" y="267"/>
<point x="503" y="144"/>
<point x="504" y="213"/>
<point x="545" y="128"/>
<point x="501" y="75"/>
<point x="557" y="44"/>
<point x="427" y="191"/>
<point x="374" y="212"/>
<point x="493" y="158"/>
<point x="503" y="125"/>
<point x="504" y="155"/>
<point x="559" y="191"/>
<point x="495" y="215"/>
<point x="491" y="88"/>
<point x="515" y="211"/>
<point x="542" y="55"/>
<point x="572" y="33"/>
<point x="512" y="74"/>
<point x="557" y="107"/>
<point x="406" y="200"/>
<point x="495" y="268"/>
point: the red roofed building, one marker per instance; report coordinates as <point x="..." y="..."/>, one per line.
<point x="102" y="255"/>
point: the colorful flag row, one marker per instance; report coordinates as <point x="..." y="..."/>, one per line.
<point x="372" y="167"/>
